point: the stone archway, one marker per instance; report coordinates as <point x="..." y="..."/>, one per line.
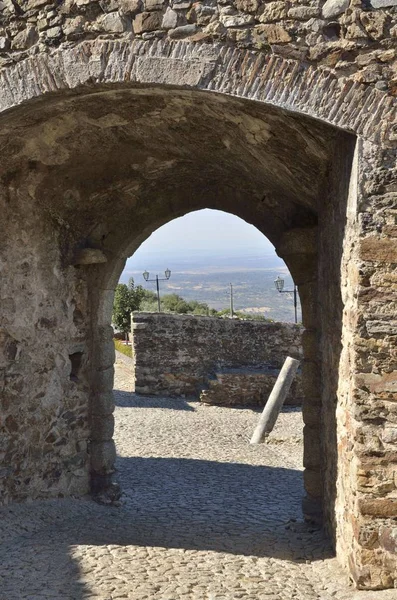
<point x="104" y="143"/>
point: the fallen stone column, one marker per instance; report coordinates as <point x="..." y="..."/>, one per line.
<point x="276" y="399"/>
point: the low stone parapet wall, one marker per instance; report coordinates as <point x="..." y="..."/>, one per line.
<point x="247" y="387"/>
<point x="215" y="358"/>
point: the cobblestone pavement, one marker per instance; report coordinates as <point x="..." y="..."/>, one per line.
<point x="204" y="516"/>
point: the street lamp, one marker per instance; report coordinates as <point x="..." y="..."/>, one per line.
<point x="279" y="283"/>
<point x="167" y="274"/>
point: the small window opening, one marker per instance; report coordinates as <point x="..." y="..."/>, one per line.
<point x="75" y="361"/>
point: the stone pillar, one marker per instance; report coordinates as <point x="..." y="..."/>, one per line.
<point x="336" y="224"/>
<point x="366" y="508"/>
<point x="102" y="447"/>
<point x="298" y="247"/>
<point x="312" y="503"/>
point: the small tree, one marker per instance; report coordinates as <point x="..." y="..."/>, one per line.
<point x="127" y="298"/>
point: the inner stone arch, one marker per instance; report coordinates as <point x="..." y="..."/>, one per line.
<point x="87" y="177"/>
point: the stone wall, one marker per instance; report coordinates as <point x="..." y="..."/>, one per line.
<point x="43" y="377"/>
<point x="182" y="355"/>
<point x="352" y="38"/>
<point x="367" y="412"/>
<point x="247" y="387"/>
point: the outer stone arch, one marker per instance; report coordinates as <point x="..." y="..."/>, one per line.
<point x="288" y="84"/>
<point x="90" y="68"/>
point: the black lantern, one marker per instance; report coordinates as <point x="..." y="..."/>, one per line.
<point x="279" y="284"/>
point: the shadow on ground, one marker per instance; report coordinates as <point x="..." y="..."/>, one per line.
<point x="167" y="503"/>
<point x="131" y="400"/>
<point x="224" y="507"/>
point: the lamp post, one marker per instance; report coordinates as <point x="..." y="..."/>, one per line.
<point x="279" y="283"/>
<point x="167" y="274"/>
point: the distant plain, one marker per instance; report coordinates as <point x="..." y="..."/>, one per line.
<point x="206" y="277"/>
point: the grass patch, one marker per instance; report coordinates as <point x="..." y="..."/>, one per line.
<point x="121" y="347"/>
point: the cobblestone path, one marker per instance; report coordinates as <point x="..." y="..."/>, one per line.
<point x="204" y="516"/>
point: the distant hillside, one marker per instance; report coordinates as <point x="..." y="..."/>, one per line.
<point x="207" y="279"/>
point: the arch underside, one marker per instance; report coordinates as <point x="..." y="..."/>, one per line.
<point x="121" y="159"/>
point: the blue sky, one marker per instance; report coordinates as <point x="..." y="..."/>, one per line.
<point x="209" y="231"/>
<point x="209" y="236"/>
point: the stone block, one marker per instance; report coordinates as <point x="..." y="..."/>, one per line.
<point x="53" y="33"/>
<point x="4" y="43"/>
<point x="389" y="435"/>
<point x="147" y="21"/>
<point x="383" y="3"/>
<point x="378" y="383"/>
<point x="308" y="293"/>
<point x="310" y="344"/>
<point x="103" y="457"/>
<point x="311" y="379"/>
<point x="378" y="507"/>
<point x="250" y="6"/>
<point x="113" y="23"/>
<point x="374" y="24"/>
<point x="151" y="5"/>
<point x="239" y="20"/>
<point x="313" y="483"/>
<point x="170" y="19"/>
<point x="103" y="403"/>
<point x="74" y="26"/>
<point x="366" y="533"/>
<point x="130" y="6"/>
<point x="102" y="428"/>
<point x="103" y="381"/>
<point x="273" y="11"/>
<point x="312" y="447"/>
<point x="388" y="538"/>
<point x="184" y="73"/>
<point x="105" y="355"/>
<point x="303" y="13"/>
<point x="275" y="34"/>
<point x="25" y="39"/>
<point x="333" y="8"/>
<point x="180" y="5"/>
<point x="103" y="334"/>
<point x="311" y="412"/>
<point x="312" y="510"/>
<point x="377" y="249"/>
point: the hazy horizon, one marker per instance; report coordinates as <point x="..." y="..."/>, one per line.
<point x="209" y="238"/>
<point x="206" y="251"/>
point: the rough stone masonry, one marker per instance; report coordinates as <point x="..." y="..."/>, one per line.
<point x="221" y="361"/>
<point x="117" y="117"/>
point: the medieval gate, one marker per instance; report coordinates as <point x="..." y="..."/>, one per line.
<point x="106" y="139"/>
